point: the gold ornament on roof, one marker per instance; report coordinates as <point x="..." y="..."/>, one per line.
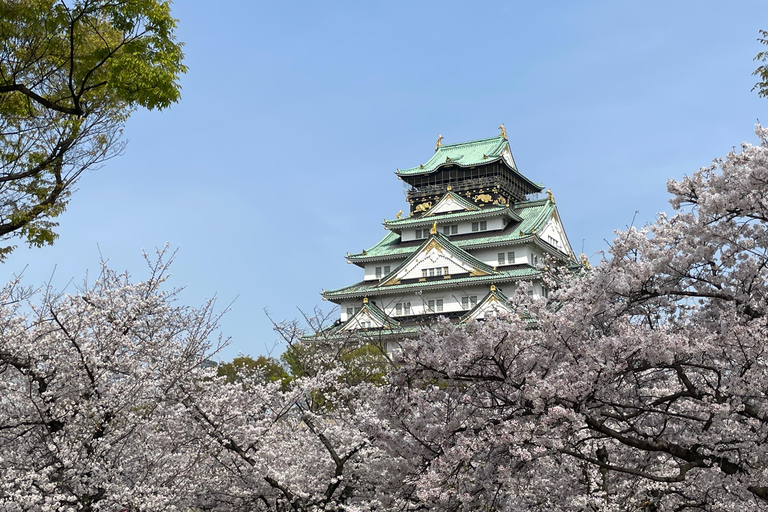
<point x="365" y="300"/>
<point x="486" y="198"/>
<point x="439" y="142"/>
<point x="493" y="287"/>
<point x="503" y="131"/>
<point x="585" y="261"/>
<point x="399" y="214"/>
<point x="449" y="188"/>
<point x="423" y="207"/>
<point x="433" y="231"/>
<point x="550" y="196"/>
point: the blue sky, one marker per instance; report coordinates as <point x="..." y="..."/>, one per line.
<point x="294" y="116"/>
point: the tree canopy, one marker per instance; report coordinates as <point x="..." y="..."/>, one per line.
<point x="762" y="71"/>
<point x="71" y="73"/>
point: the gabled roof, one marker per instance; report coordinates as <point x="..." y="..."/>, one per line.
<point x="465" y="154"/>
<point x="437" y="242"/>
<point x="489" y="211"/>
<point x="375" y="313"/>
<point x="494" y="299"/>
<point x="451" y="201"/>
<point x="533" y="214"/>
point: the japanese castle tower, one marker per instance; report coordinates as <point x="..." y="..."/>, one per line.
<point x="473" y="233"/>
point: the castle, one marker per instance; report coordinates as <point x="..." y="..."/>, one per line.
<point x="473" y="233"/>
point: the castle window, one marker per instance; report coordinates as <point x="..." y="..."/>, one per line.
<point x="386" y="269"/>
<point x="480" y="226"/>
<point x="552" y="240"/>
<point x="501" y="258"/>
<point x="511" y="257"/>
<point x="469" y="301"/>
<point x="435" y="305"/>
<point x="454" y="229"/>
<point x="403" y="308"/>
<point x="435" y="271"/>
<point x="378" y="272"/>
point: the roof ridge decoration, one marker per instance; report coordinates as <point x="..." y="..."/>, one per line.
<point x="503" y="131"/>
<point x="447" y="251"/>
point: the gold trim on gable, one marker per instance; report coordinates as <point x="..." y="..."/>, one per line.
<point x="433" y="244"/>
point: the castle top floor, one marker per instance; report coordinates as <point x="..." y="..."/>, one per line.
<point x="483" y="171"/>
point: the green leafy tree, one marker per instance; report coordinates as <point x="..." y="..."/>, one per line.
<point x="71" y="73"/>
<point x="267" y="368"/>
<point x="762" y="71"/>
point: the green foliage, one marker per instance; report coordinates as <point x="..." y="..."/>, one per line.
<point x="359" y="361"/>
<point x="266" y="368"/>
<point x="71" y="73"/>
<point x="762" y="71"/>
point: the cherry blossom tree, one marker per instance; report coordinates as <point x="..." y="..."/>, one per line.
<point x="92" y="414"/>
<point x="108" y="403"/>
<point x="642" y="385"/>
<point x="304" y="445"/>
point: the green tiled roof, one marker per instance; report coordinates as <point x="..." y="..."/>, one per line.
<point x="365" y="288"/>
<point x="376" y="312"/>
<point x="465" y="154"/>
<point x="447" y="245"/>
<point x="488" y="211"/>
<point x="337" y="331"/>
<point x="533" y="215"/>
<point x="498" y="294"/>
